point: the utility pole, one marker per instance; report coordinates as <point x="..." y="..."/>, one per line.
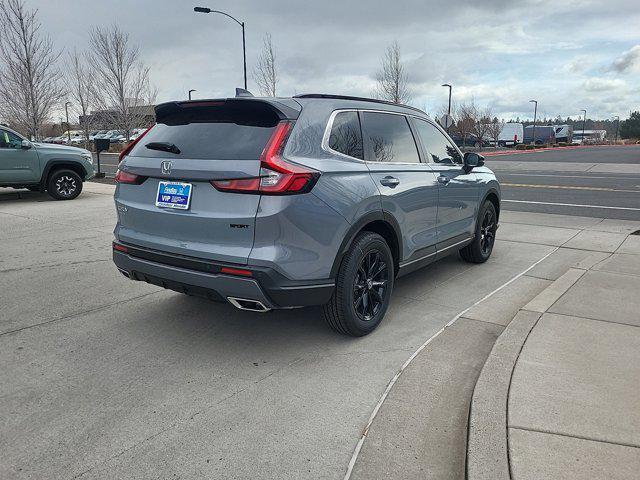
<point x="535" y="114"/>
<point x="617" y="126"/>
<point x="584" y="121"/>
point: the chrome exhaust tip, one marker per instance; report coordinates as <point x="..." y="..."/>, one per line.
<point x="124" y="272"/>
<point x="248" y="304"/>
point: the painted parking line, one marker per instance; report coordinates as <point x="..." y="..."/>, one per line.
<point x="571" y="205"/>
<point x="567" y="187"/>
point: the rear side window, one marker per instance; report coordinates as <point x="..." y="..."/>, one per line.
<point x="388" y="138"/>
<point x="218" y="132"/>
<point x="346" y="136"/>
<point x="438" y="147"/>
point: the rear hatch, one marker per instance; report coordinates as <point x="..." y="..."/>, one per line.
<point x="165" y="197"/>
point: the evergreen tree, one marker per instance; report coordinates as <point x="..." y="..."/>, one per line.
<point x="630" y="128"/>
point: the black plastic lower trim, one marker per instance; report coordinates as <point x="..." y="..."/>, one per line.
<point x="280" y="290"/>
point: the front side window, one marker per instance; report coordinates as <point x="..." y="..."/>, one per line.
<point x="9" y="139"/>
<point x="389" y="138"/>
<point x="438" y="147"/>
<point x="346" y="136"/>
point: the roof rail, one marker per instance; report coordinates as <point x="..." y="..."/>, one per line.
<point x="361" y="99"/>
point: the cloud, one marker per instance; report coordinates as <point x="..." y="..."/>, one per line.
<point x="597" y="84"/>
<point x="498" y="52"/>
<point x="628" y="61"/>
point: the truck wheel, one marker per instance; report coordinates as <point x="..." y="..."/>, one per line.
<point x="480" y="249"/>
<point x="64" y="185"/>
<point x="363" y="287"/>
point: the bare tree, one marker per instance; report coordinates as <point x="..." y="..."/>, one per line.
<point x="265" y="73"/>
<point x="495" y="129"/>
<point x="29" y="77"/>
<point x="466" y="115"/>
<point x="483" y="124"/>
<point x="392" y="80"/>
<point x="121" y="84"/>
<point x="81" y="92"/>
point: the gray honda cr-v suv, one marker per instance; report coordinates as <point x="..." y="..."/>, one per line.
<point x="311" y="200"/>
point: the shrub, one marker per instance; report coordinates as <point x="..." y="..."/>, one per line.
<point x="530" y="147"/>
<point x="521" y="146"/>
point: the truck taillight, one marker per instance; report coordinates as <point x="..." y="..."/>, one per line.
<point x="277" y="176"/>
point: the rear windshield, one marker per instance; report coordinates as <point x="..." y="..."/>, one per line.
<point x="210" y="133"/>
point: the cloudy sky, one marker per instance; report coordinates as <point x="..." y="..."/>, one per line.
<point x="567" y="54"/>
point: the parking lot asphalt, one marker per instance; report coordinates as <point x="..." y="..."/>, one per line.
<point x="107" y="378"/>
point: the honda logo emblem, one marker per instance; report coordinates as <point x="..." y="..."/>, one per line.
<point x="166" y="167"/>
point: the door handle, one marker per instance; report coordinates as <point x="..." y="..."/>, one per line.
<point x="389" y="181"/>
<point x="443" y="180"/>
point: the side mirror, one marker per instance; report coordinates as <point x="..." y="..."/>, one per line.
<point x="25" y="145"/>
<point x="472" y="160"/>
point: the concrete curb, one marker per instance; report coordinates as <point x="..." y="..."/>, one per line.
<point x="487" y="442"/>
<point x="487" y="448"/>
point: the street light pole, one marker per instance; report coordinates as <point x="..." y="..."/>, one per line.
<point x="448" y="108"/>
<point x="535" y="114"/>
<point x="66" y="111"/>
<point x="244" y="47"/>
<point x="617" y="126"/>
<point x="192" y="90"/>
<point x="584" y="121"/>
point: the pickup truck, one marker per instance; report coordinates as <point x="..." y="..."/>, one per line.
<point x="57" y="169"/>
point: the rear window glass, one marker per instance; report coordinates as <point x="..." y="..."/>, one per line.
<point x="213" y="141"/>
<point x="346" y="136"/>
<point x="226" y="132"/>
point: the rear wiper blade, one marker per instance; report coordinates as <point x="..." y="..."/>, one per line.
<point x="163" y="147"/>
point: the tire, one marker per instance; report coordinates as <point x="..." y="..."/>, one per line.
<point x="64" y="185"/>
<point x="480" y="249"/>
<point x="361" y="297"/>
<point x="502" y="144"/>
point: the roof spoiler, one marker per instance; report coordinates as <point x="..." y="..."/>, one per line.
<point x="241" y="108"/>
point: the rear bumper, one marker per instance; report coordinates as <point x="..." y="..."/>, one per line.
<point x="203" y="278"/>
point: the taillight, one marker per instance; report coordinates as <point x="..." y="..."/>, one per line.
<point x="126" y="177"/>
<point x="129" y="147"/>
<point x="120" y="248"/>
<point x="277" y="176"/>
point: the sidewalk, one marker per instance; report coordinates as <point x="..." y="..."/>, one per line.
<point x="471" y="404"/>
<point x="558" y="396"/>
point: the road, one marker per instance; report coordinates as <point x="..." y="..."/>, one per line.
<point x="601" y="182"/>
<point x="586" y="181"/>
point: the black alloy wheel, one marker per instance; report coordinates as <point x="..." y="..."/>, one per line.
<point x="370" y="284"/>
